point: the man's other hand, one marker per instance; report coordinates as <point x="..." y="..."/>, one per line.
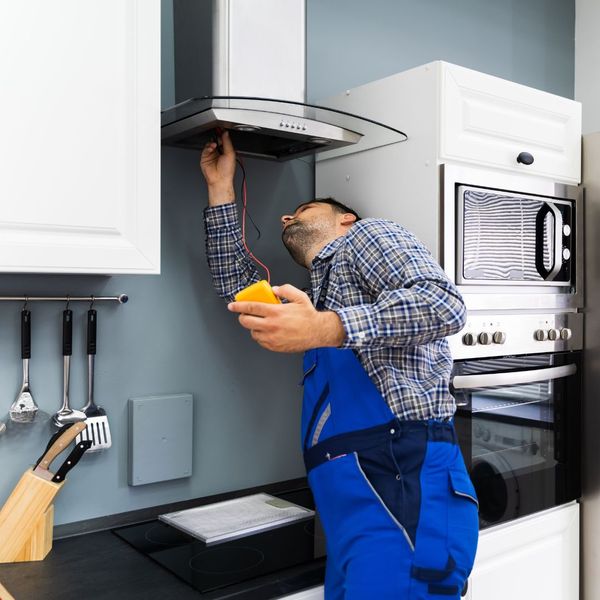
<point x="218" y="170"/>
<point x="291" y="327"/>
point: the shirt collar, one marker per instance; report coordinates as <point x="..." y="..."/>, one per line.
<point x="327" y="251"/>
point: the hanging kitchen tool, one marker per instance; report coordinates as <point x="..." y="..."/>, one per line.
<point x="27" y="516"/>
<point x="97" y="430"/>
<point x="66" y="414"/>
<point x="24" y="408"/>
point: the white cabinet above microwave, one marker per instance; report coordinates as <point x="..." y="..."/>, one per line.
<point x="80" y="146"/>
<point x="454" y="114"/>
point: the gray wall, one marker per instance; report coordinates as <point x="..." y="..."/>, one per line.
<point x="175" y="335"/>
<point x="352" y="42"/>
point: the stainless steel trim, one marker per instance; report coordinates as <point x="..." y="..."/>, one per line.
<point x="469" y="382"/>
<point x="519" y="329"/>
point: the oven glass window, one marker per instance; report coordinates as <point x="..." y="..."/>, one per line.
<point x="514" y="238"/>
<point x="520" y="439"/>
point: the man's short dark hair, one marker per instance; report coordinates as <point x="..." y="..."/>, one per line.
<point x="338" y="206"/>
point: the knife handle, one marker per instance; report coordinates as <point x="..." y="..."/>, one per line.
<point x="59" y="442"/>
<point x="92" y="319"/>
<point x="73" y="458"/>
<point x="52" y="440"/>
<point x="25" y="334"/>
<point x="67" y="332"/>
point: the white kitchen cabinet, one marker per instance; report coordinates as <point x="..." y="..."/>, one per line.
<point x="312" y="594"/>
<point x="490" y="121"/>
<point x="534" y="557"/>
<point x="80" y="144"/>
<point x="457" y="115"/>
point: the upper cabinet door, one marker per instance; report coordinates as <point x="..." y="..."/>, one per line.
<point x="80" y="143"/>
<point x="493" y="122"/>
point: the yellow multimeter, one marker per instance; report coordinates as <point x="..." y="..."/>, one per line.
<point x="260" y="291"/>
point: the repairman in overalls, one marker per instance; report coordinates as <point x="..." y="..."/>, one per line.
<point x="397" y="505"/>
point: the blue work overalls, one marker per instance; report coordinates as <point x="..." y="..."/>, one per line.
<point x="397" y="505"/>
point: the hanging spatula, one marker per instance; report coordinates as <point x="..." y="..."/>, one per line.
<point x="24" y="408"/>
<point x="97" y="430"/>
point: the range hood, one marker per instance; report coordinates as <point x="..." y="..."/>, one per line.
<point x="240" y="65"/>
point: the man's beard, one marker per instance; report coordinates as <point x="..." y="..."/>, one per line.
<point x="300" y="238"/>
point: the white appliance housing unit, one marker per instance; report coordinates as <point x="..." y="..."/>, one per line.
<point x="460" y="123"/>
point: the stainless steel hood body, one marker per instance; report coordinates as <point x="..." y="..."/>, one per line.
<point x="272" y="129"/>
<point x="240" y="65"/>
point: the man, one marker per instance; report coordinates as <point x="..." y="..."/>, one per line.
<point x="397" y="505"/>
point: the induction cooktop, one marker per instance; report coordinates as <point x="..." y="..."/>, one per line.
<point x="259" y="558"/>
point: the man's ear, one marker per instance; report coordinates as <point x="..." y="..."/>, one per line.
<point x="348" y="219"/>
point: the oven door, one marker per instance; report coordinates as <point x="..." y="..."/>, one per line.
<point x="518" y="424"/>
<point x="506" y="238"/>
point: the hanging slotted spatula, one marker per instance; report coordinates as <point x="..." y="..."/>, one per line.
<point x="24" y="408"/>
<point x="97" y="430"/>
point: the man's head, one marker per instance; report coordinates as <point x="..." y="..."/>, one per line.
<point x="313" y="225"/>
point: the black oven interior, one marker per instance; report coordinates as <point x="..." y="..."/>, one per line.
<point x="519" y="431"/>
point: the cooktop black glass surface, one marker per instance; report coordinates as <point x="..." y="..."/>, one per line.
<point x="209" y="568"/>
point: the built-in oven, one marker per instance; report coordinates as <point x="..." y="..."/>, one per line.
<point x="512" y="241"/>
<point x="518" y="421"/>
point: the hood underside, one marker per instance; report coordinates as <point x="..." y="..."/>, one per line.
<point x="261" y="128"/>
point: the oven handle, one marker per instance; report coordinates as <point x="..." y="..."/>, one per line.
<point x="469" y="382"/>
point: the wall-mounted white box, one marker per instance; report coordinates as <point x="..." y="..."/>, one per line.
<point x="161" y="431"/>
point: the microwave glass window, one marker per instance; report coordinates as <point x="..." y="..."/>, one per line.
<point x="513" y="238"/>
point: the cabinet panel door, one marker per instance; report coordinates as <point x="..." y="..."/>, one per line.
<point x="80" y="145"/>
<point x="312" y="594"/>
<point x="490" y="121"/>
<point x="535" y="557"/>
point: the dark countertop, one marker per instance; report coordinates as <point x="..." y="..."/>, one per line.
<point x="99" y="566"/>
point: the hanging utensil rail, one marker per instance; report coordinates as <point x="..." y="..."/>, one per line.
<point x="121" y="298"/>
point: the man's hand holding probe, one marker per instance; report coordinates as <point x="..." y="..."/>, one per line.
<point x="294" y="326"/>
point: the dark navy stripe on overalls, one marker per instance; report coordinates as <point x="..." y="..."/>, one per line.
<point x="397" y="505"/>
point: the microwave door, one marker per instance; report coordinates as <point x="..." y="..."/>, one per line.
<point x="510" y="239"/>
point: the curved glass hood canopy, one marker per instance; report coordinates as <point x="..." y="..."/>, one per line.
<point x="272" y="129"/>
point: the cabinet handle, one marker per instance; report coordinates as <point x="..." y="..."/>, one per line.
<point x="525" y="158"/>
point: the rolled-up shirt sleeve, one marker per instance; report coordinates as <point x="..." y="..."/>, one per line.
<point x="414" y="302"/>
<point x="229" y="263"/>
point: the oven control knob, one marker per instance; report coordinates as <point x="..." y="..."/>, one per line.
<point x="485" y="338"/>
<point x="565" y="333"/>
<point x="540" y="335"/>
<point x="553" y="334"/>
<point x="469" y="339"/>
<point x="499" y="337"/>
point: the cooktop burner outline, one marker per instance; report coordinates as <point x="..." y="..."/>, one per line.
<point x="217" y="554"/>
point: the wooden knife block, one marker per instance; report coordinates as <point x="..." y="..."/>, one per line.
<point x="27" y="518"/>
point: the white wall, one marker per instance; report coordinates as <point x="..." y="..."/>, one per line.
<point x="587" y="62"/>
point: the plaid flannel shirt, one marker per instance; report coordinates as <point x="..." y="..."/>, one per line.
<point x="395" y="302"/>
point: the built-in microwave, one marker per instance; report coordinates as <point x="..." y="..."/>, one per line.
<point x="512" y="241"/>
<point x="506" y="238"/>
<point x="518" y="422"/>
